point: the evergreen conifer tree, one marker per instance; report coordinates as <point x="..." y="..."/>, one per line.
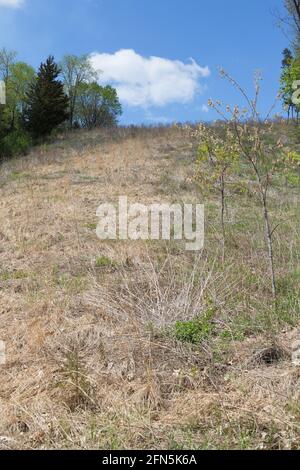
<point x="47" y="103"/>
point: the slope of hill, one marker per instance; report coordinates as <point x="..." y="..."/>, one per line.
<point x="102" y="346"/>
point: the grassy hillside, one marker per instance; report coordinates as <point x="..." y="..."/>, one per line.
<point x="119" y="344"/>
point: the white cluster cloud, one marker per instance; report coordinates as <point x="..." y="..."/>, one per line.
<point x="11" y="3"/>
<point x="153" y="81"/>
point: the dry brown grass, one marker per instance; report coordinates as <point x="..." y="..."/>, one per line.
<point x="91" y="359"/>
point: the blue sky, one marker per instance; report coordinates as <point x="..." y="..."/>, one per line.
<point x="162" y="55"/>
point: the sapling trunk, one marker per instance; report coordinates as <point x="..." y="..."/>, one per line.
<point x="223" y="215"/>
<point x="263" y="189"/>
<point x="269" y="240"/>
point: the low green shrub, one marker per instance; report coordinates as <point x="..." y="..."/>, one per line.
<point x="15" y="144"/>
<point x="104" y="262"/>
<point x="197" y="330"/>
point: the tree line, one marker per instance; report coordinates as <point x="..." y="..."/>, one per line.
<point x="291" y="59"/>
<point x="59" y="95"/>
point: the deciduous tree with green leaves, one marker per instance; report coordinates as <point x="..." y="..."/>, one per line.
<point x="18" y="77"/>
<point x="76" y="71"/>
<point x="289" y="81"/>
<point x="97" y="106"/>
